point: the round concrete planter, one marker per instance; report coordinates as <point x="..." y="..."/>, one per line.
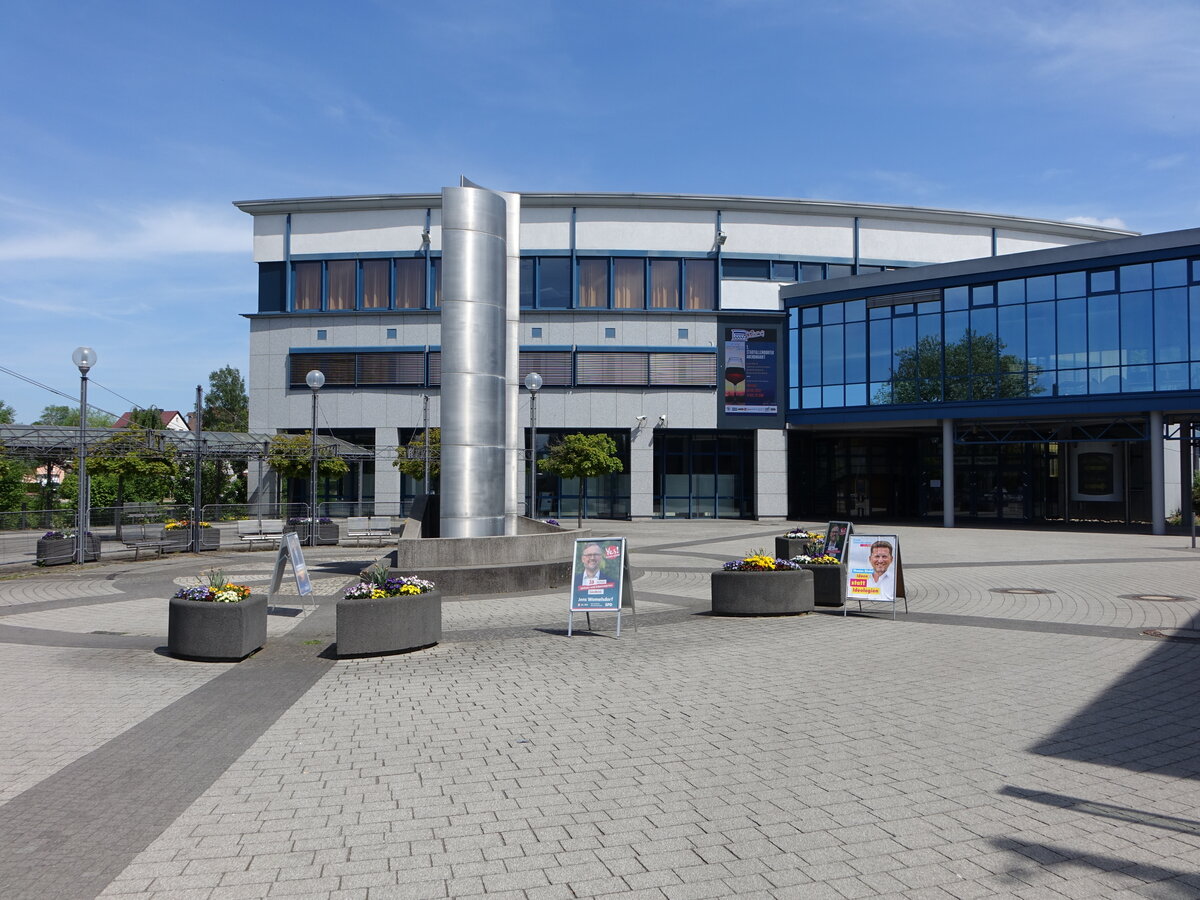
<point x="198" y="629"/>
<point x="780" y="593"/>
<point x="368" y="626"/>
<point x="829" y="585"/>
<point x="59" y="551"/>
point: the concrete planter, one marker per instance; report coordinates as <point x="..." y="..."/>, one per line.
<point x="388" y="624"/>
<point x="780" y="593"/>
<point x="198" y="629"/>
<point x="829" y="585"/>
<point x="59" y="551"/>
<point x="210" y="539"/>
<point x="786" y="547"/>
<point x="328" y="533"/>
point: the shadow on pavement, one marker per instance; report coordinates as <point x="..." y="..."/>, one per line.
<point x="1146" y="721"/>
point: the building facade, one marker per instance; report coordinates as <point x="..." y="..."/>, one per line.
<point x="1052" y="386"/>
<point x="656" y="319"/>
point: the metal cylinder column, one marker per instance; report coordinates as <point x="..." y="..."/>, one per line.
<point x="474" y="222"/>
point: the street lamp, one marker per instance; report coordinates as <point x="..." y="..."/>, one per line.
<point x="533" y="382"/>
<point x="315" y="380"/>
<point x="84" y="358"/>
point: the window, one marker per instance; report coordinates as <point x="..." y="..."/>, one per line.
<point x="700" y="284"/>
<point x="410" y="283"/>
<point x="664" y="284"/>
<point x="593" y="283"/>
<point x="629" y="284"/>
<point x="377" y="287"/>
<point x="306" y="286"/>
<point x="341" y="287"/>
<point x="747" y="268"/>
<point x="322" y="334"/>
<point x="554" y="282"/>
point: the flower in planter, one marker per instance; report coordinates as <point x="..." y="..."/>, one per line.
<point x="60" y="535"/>
<point x="176" y="524"/>
<point x="802" y="534"/>
<point x="218" y="590"/>
<point x="553" y="522"/>
<point x="758" y="561"/>
<point x="378" y="584"/>
<point x="825" y="560"/>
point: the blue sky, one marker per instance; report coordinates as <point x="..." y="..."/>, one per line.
<point x="128" y="129"/>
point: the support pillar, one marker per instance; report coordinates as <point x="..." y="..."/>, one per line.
<point x="947" y="473"/>
<point x="1158" y="499"/>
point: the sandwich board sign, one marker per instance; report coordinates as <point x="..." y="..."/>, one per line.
<point x="874" y="571"/>
<point x="289" y="551"/>
<point x="599" y="576"/>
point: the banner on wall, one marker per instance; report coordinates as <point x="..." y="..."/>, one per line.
<point x="751" y="373"/>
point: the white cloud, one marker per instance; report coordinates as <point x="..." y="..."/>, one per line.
<point x="165" y="231"/>
<point x="1107" y="222"/>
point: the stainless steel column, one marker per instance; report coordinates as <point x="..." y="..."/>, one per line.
<point x="515" y="456"/>
<point x="473" y="334"/>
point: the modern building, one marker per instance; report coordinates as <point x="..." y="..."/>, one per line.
<point x="679" y="325"/>
<point x="1055" y="385"/>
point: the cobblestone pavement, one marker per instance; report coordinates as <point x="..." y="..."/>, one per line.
<point x="1027" y="729"/>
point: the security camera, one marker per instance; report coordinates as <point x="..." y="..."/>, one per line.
<point x="662" y="420"/>
<point x="641" y="420"/>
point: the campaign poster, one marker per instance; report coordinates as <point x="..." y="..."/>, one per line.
<point x="596" y="574"/>
<point x="873" y="568"/>
<point x="837" y="537"/>
<point x="751" y="371"/>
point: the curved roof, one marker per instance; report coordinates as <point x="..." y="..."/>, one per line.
<point x="696" y="201"/>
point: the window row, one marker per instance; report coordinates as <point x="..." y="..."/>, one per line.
<point x="1171" y="273"/>
<point x="558" y="368"/>
<point x="790" y="272"/>
<point x="547" y="282"/>
<point x="991" y="352"/>
<point x="1013" y="385"/>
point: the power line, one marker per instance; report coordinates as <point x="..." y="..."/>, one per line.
<point x="55" y="391"/>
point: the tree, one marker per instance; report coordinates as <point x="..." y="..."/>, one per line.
<point x="976" y="368"/>
<point x="226" y="406"/>
<point x="149" y="418"/>
<point x="69" y="416"/>
<point x="582" y="456"/>
<point x="141" y="466"/>
<point x="411" y="458"/>
<point x="291" y="456"/>
<point x="7" y="414"/>
<point x="13" y="487"/>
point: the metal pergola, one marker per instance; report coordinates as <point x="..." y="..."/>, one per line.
<point x="40" y="442"/>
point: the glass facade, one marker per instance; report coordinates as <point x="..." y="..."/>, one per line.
<point x="1107" y="330"/>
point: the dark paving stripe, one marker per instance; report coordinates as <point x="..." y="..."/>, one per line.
<point x="45" y="637"/>
<point x="69" y="835"/>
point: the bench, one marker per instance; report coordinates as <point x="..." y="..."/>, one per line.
<point x="260" y="531"/>
<point x="371" y="528"/>
<point x="144" y="537"/>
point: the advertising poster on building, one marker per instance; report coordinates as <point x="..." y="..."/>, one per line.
<point x="596" y="574"/>
<point x="873" y="568"/>
<point x="751" y="371"/>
